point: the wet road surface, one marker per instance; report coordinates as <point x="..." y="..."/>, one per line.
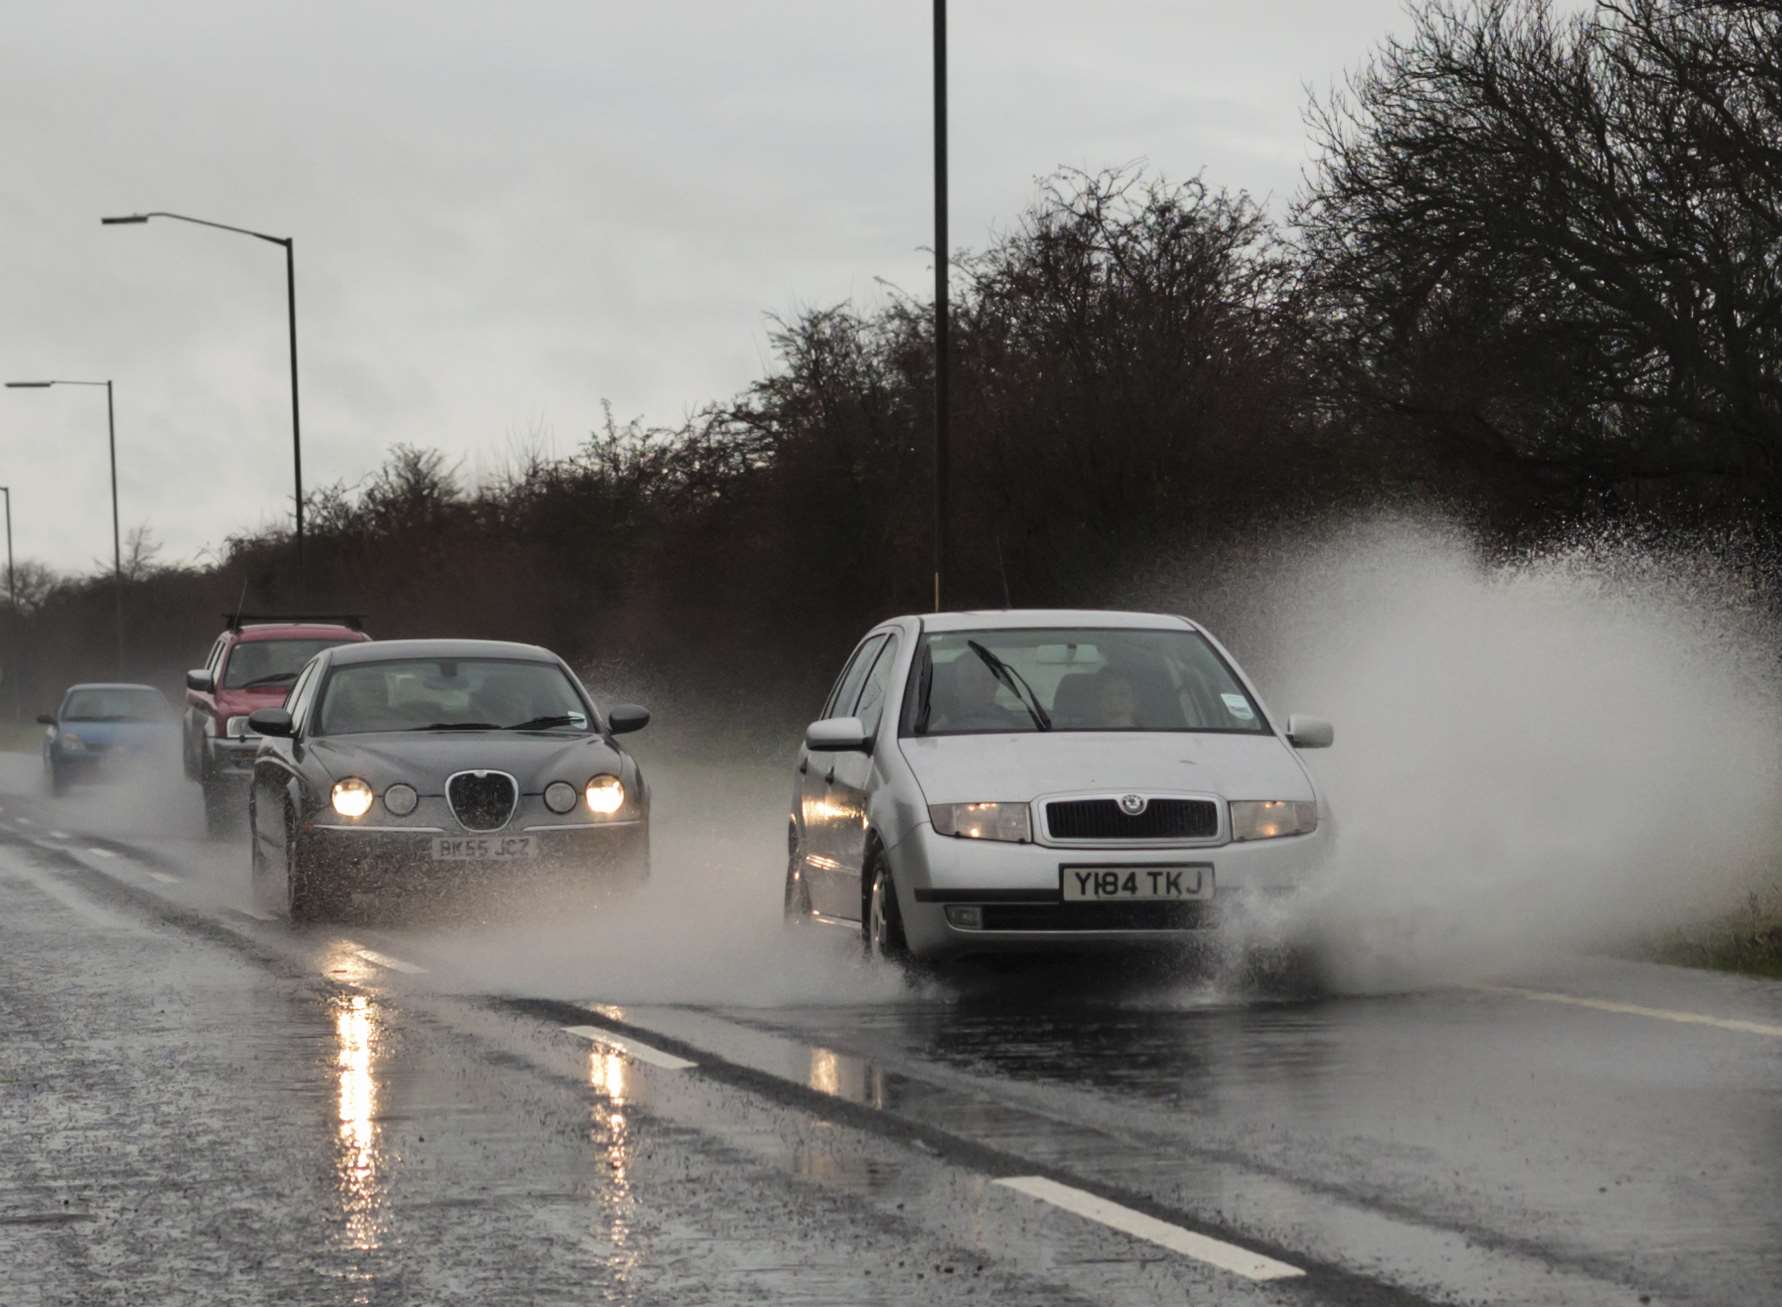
<point x="680" y="1102"/>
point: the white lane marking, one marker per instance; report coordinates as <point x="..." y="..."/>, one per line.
<point x="253" y="914"/>
<point x="1214" y="1252"/>
<point x="59" y="835"/>
<point x="631" y="1048"/>
<point x="98" y="852"/>
<point x="164" y="878"/>
<point x="1635" y="1010"/>
<point x="24" y="821"/>
<point x="384" y="960"/>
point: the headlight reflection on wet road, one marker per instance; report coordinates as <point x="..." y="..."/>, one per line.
<point x="611" y="1136"/>
<point x="361" y="1196"/>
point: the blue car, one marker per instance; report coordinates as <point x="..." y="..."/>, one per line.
<point x="106" y="729"/>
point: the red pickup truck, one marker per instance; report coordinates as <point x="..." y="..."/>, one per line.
<point x="251" y="665"/>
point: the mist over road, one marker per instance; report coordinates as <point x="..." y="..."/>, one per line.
<point x="679" y="1103"/>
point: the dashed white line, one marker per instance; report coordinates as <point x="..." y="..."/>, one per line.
<point x="254" y="914"/>
<point x="631" y="1048"/>
<point x="164" y="878"/>
<point x="59" y="835"/>
<point x="24" y="821"/>
<point x="389" y="963"/>
<point x="98" y="852"/>
<point x="1635" y="1010"/>
<point x="1214" y="1252"/>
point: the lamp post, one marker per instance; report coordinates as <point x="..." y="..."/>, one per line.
<point x="941" y="324"/>
<point x="291" y="324"/>
<point x="12" y="609"/>
<point x="117" y="545"/>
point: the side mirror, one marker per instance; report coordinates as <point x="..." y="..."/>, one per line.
<point x="201" y="680"/>
<point x="623" y="718"/>
<point x="1310" y="732"/>
<point x="46" y="719"/>
<point x="269" y="721"/>
<point x="837" y="735"/>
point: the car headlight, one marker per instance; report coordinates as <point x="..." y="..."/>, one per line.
<point x="1267" y="819"/>
<point x="400" y="799"/>
<point x="983" y="821"/>
<point x="72" y="742"/>
<point x="559" y="797"/>
<point x="606" y="795"/>
<point x="352" y="797"/>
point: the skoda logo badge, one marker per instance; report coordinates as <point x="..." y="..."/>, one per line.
<point x="1132" y="804"/>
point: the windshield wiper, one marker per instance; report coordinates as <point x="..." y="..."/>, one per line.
<point x="457" y="726"/>
<point x="277" y="678"/>
<point x="1017" y="684"/>
<point x="554" y="719"/>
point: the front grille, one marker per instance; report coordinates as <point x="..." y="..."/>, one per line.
<point x="1097" y="916"/>
<point x="1103" y="819"/>
<point x="482" y="800"/>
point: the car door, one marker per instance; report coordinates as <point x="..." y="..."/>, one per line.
<point x="850" y="784"/>
<point x="815" y="770"/>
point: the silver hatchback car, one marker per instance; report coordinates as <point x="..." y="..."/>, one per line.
<point x="985" y="782"/>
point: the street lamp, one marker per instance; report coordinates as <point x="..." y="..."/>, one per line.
<point x="12" y="608"/>
<point x="941" y="326"/>
<point x="291" y="322"/>
<point x="117" y="546"/>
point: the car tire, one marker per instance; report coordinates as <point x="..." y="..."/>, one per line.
<point x="219" y="812"/>
<point x="304" y="898"/>
<point x="881" y="921"/>
<point x="797" y="903"/>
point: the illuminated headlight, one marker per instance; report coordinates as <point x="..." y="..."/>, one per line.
<point x="606" y="795"/>
<point x="983" y="821"/>
<point x="72" y="742"/>
<point x="559" y="797"/>
<point x="1267" y="819"/>
<point x="352" y="797"/>
<point x="400" y="799"/>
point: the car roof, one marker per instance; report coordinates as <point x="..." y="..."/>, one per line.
<point x="379" y="651"/>
<point x="296" y="631"/>
<point x="992" y="619"/>
<point x="111" y="685"/>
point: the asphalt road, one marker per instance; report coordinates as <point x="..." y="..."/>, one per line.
<point x="679" y="1101"/>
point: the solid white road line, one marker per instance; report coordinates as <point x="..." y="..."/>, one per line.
<point x="631" y="1048"/>
<point x="164" y="878"/>
<point x="389" y="963"/>
<point x="99" y="852"/>
<point x="1214" y="1252"/>
<point x="1634" y="1010"/>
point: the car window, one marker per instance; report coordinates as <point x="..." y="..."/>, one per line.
<point x="297" y="701"/>
<point x="977" y="682"/>
<point x="445" y="694"/>
<point x="270" y="664"/>
<point x="215" y="661"/>
<point x="871" y="708"/>
<point x="115" y="704"/>
<point x="847" y="687"/>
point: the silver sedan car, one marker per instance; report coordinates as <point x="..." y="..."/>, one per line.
<point x="984" y="782"/>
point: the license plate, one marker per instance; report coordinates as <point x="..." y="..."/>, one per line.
<point x="482" y="848"/>
<point x="1129" y="884"/>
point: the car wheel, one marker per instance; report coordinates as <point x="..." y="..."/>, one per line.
<point x="303" y="895"/>
<point x="882" y="922"/>
<point x="797" y="905"/>
<point x="219" y="811"/>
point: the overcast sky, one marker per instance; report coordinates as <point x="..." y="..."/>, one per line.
<point x="505" y="213"/>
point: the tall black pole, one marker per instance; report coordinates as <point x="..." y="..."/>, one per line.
<point x="117" y="540"/>
<point x="942" y="335"/>
<point x="296" y="423"/>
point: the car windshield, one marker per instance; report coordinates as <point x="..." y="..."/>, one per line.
<point x="1075" y="679"/>
<point x="269" y="663"/>
<point x="447" y="694"/>
<point x="115" y="704"/>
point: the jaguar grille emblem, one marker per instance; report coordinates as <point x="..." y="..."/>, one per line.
<point x="1132" y="804"/>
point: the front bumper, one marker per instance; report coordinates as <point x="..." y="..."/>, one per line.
<point x="393" y="858"/>
<point x="1017" y="888"/>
